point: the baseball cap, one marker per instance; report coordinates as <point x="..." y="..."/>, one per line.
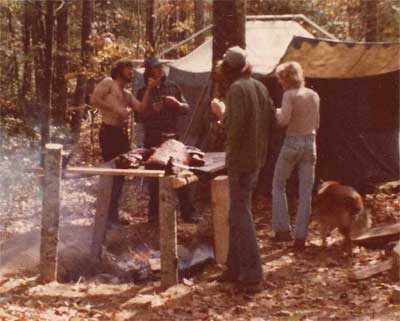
<point x="151" y="62"/>
<point x="235" y="57"/>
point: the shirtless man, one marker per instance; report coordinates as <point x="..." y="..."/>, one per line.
<point x="115" y="104"/>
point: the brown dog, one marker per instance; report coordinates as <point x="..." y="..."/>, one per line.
<point x="337" y="205"/>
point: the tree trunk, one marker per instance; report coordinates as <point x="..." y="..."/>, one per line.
<point x="37" y="46"/>
<point x="229" y="20"/>
<point x="199" y="20"/>
<point x="13" y="62"/>
<point x="42" y="40"/>
<point x="86" y="51"/>
<point x="150" y="23"/>
<point x="370" y="16"/>
<point x="27" y="71"/>
<point x="60" y="93"/>
<point x="48" y="72"/>
<point x="229" y="26"/>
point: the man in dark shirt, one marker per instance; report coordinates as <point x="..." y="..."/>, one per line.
<point x="166" y="104"/>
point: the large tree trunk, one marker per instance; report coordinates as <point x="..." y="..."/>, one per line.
<point x="150" y="23"/>
<point x="229" y="19"/>
<point x="60" y="93"/>
<point x="229" y="26"/>
<point x="370" y="15"/>
<point x="48" y="72"/>
<point x="86" y="51"/>
<point x="27" y="71"/>
<point x="199" y="20"/>
<point x="42" y="38"/>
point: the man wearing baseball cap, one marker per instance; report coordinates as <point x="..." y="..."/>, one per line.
<point x="160" y="120"/>
<point x="246" y="116"/>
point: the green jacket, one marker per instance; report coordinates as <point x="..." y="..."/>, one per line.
<point x="247" y="121"/>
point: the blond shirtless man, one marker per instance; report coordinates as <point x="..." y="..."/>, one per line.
<point x="115" y="104"/>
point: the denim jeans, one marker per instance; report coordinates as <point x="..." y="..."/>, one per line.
<point x="244" y="263"/>
<point x="297" y="152"/>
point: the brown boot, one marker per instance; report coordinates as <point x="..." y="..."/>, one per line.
<point x="299" y="245"/>
<point x="282" y="237"/>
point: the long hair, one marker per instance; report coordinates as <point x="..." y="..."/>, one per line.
<point x="225" y="75"/>
<point x="291" y="73"/>
<point x="118" y="66"/>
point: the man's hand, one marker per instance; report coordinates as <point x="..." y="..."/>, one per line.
<point x="152" y="83"/>
<point x="218" y="108"/>
<point x="171" y="102"/>
<point x="157" y="106"/>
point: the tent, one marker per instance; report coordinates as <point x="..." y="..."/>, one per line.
<point x="358" y="141"/>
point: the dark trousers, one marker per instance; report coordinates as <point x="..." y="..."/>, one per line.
<point x="114" y="141"/>
<point x="184" y="196"/>
<point x="244" y="263"/>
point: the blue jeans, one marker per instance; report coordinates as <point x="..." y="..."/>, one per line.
<point x="297" y="152"/>
<point x="243" y="261"/>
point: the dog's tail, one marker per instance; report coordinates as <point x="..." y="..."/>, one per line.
<point x="362" y="222"/>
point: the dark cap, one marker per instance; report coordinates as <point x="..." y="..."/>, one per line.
<point x="151" y="62"/>
<point x="235" y="57"/>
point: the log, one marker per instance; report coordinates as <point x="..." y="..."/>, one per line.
<point x="220" y="213"/>
<point x="396" y="262"/>
<point x="378" y="237"/>
<point x="168" y="233"/>
<point x="50" y="213"/>
<point x="372" y="270"/>
<point x="102" y="207"/>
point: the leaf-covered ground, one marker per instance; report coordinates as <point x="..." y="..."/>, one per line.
<point x="313" y="285"/>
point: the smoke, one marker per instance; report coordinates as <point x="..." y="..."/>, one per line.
<point x="19" y="186"/>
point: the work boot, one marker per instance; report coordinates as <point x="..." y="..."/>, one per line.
<point x="282" y="237"/>
<point x="299" y="245"/>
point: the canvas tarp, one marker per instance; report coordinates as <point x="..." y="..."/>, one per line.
<point x="266" y="43"/>
<point x="343" y="60"/>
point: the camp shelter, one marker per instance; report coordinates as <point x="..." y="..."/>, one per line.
<point x="358" y="141"/>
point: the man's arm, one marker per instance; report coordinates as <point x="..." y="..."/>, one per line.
<point x="218" y="108"/>
<point x="98" y="98"/>
<point x="284" y="114"/>
<point x="143" y="105"/>
<point x="234" y="116"/>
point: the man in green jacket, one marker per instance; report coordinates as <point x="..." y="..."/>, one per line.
<point x="247" y="118"/>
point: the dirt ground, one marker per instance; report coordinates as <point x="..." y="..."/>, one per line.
<point x="312" y="285"/>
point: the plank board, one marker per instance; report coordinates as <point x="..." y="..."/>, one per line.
<point x="372" y="270"/>
<point x="115" y="172"/>
<point x="378" y="237"/>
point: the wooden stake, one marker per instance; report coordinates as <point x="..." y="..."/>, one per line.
<point x="220" y="212"/>
<point x="168" y="233"/>
<point x="102" y="207"/>
<point x="50" y="212"/>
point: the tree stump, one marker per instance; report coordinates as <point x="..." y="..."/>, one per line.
<point x="168" y="233"/>
<point x="50" y="212"/>
<point x="220" y="213"/>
